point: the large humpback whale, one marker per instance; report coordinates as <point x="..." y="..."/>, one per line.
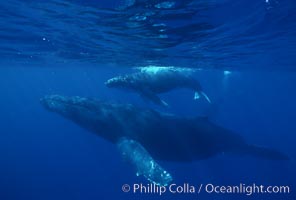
<point x="153" y="80"/>
<point x="145" y="136"/>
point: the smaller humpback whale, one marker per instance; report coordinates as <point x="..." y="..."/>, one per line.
<point x="153" y="80"/>
<point x="145" y="136"/>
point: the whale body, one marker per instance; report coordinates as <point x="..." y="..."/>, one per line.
<point x="144" y="136"/>
<point x="153" y="80"/>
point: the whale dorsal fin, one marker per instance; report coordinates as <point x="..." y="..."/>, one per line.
<point x="137" y="155"/>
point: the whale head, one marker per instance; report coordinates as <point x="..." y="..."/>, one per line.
<point x="120" y="82"/>
<point x="92" y="114"/>
<point x="55" y="103"/>
<point x="74" y="108"/>
<point x="61" y="104"/>
<point x="114" y="82"/>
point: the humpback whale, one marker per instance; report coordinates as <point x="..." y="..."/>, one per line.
<point x="146" y="136"/>
<point x="153" y="80"/>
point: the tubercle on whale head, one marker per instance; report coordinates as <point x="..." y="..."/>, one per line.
<point x="53" y="102"/>
<point x="113" y="82"/>
<point x="119" y="81"/>
<point x="60" y="104"/>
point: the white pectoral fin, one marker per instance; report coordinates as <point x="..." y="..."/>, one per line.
<point x="165" y="104"/>
<point x="137" y="155"/>
<point x="206" y="97"/>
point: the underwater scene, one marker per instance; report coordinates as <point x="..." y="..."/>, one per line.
<point x="147" y="99"/>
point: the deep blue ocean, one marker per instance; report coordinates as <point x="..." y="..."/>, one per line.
<point x="244" y="53"/>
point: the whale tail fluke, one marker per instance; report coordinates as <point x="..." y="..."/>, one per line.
<point x="201" y="93"/>
<point x="266" y="153"/>
<point x="196" y="95"/>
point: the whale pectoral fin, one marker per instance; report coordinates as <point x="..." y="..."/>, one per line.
<point x="163" y="103"/>
<point x="137" y="155"/>
<point x="206" y="97"/>
<point x="153" y="97"/>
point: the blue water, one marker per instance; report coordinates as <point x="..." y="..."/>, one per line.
<point x="73" y="47"/>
